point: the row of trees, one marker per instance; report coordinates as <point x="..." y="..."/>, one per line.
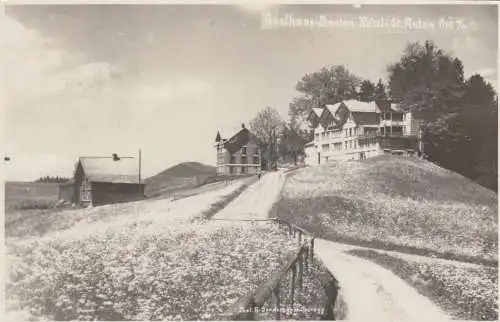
<point x="50" y="179"/>
<point x="459" y="115"/>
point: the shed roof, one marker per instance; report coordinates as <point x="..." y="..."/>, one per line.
<point x="105" y="169"/>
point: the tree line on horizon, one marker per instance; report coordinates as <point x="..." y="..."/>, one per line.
<point x="51" y="179"/>
<point x="459" y="114"/>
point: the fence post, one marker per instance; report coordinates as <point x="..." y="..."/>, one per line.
<point x="301" y="268"/>
<point x="311" y="251"/>
<point x="330" y="290"/>
<point x="306" y="258"/>
<point x="292" y="288"/>
<point x="277" y="301"/>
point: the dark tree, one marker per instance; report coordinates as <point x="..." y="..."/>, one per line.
<point x="266" y="126"/>
<point x="380" y="92"/>
<point x="327" y="86"/>
<point x="367" y="91"/>
<point x="431" y="84"/>
<point x="291" y="143"/>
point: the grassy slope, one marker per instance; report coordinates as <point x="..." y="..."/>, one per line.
<point x="137" y="261"/>
<point x="397" y="203"/>
<point x="30" y="195"/>
<point x="464" y="292"/>
<point x="181" y="176"/>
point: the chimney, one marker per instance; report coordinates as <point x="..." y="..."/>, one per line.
<point x="116" y="157"/>
<point x="242" y="125"/>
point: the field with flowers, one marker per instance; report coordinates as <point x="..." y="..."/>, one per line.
<point x="465" y="292"/>
<point x="138" y="261"/>
<point x="398" y="203"/>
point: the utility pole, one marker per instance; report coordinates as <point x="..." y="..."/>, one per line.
<point x="139" y="170"/>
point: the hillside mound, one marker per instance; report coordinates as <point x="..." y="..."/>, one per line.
<point x="400" y="203"/>
<point x="184" y="175"/>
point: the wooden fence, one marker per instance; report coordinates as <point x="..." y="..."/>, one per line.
<point x="247" y="307"/>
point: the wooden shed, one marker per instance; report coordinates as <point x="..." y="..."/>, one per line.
<point x="105" y="180"/>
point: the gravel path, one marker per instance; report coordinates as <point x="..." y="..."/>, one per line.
<point x="373" y="293"/>
<point x="256" y="201"/>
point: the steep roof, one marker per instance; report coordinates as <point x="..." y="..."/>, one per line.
<point x="235" y="142"/>
<point x="317" y="111"/>
<point x="333" y="108"/>
<point x="105" y="169"/>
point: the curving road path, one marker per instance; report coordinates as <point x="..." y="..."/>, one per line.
<point x="371" y="292"/>
<point x="256" y="201"/>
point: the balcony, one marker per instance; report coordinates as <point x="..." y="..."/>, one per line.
<point x="392" y="123"/>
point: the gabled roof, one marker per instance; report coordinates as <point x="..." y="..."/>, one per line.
<point x="240" y="138"/>
<point x="333" y="108"/>
<point x="105" y="169"/>
<point x="317" y="111"/>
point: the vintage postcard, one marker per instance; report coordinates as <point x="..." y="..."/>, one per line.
<point x="250" y="161"/>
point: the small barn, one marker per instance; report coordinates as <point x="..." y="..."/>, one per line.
<point x="104" y="180"/>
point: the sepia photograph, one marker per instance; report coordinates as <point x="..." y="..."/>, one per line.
<point x="250" y="161"/>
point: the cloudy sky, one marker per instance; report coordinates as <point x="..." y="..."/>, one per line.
<point x="94" y="80"/>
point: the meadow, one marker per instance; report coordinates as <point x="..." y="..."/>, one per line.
<point x="30" y="195"/>
<point x="139" y="260"/>
<point x="395" y="203"/>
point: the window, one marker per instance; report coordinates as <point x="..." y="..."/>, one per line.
<point x="346" y="145"/>
<point x="354" y="143"/>
<point x="244" y="160"/>
<point x="346" y="132"/>
<point x="324" y="147"/>
<point x="244" y="150"/>
<point x="350" y="144"/>
<point x="233" y="158"/>
<point x="255" y="159"/>
<point x="387" y="116"/>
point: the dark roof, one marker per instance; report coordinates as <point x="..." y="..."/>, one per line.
<point x="105" y="169"/>
<point x="365" y="118"/>
<point x="241" y="138"/>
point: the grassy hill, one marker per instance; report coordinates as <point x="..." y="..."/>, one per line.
<point x="30" y="195"/>
<point x="184" y="175"/>
<point x="397" y="203"/>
